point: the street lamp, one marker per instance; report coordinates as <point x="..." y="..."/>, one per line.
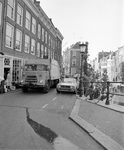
<point x="82" y="50"/>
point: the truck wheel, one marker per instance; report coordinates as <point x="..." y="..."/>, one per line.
<point x="46" y="88"/>
<point x="24" y="90"/>
<point x="57" y="91"/>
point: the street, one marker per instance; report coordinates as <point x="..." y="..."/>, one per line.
<point x="35" y="120"/>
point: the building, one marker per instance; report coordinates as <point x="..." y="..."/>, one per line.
<point x="26" y="32"/>
<point x="111" y="66"/>
<point x="119" y="58"/>
<point x="72" y="60"/>
<point x="66" y="62"/>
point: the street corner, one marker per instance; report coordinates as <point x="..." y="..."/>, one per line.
<point x="81" y="98"/>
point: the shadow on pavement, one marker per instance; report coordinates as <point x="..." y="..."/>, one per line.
<point x="41" y="130"/>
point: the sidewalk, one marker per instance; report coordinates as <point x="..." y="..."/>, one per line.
<point x="11" y="91"/>
<point x="105" y="123"/>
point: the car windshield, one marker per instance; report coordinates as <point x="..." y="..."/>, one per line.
<point x="69" y="80"/>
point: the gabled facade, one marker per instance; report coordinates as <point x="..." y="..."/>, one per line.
<point x="72" y="60"/>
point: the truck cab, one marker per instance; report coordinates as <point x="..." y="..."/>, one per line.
<point x="34" y="76"/>
<point x="40" y="74"/>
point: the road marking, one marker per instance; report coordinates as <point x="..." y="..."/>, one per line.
<point x="44" y="106"/>
<point x="62" y="107"/>
<point x="62" y="143"/>
<point x="54" y="98"/>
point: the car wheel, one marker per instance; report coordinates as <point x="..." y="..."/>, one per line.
<point x="46" y="88"/>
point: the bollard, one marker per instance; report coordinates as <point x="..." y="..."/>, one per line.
<point x="107" y="99"/>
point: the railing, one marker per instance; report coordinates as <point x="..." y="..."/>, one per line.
<point x="96" y="90"/>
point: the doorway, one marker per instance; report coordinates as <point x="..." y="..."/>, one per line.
<point x="6" y="70"/>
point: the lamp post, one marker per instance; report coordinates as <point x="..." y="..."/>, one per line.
<point x="82" y="50"/>
<point x="107" y="99"/>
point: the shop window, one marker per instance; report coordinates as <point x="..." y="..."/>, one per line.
<point x="16" y="74"/>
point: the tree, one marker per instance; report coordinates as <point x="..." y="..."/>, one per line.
<point x="104" y="79"/>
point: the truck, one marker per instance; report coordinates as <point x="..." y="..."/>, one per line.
<point x="41" y="74"/>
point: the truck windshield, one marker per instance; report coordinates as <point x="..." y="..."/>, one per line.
<point x="32" y="67"/>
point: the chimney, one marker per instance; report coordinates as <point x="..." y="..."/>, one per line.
<point x="37" y="3"/>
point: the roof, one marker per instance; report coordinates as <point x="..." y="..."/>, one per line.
<point x="76" y="46"/>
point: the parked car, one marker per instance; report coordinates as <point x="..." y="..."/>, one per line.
<point x="67" y="85"/>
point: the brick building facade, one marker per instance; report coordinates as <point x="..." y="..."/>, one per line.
<point x="26" y="32"/>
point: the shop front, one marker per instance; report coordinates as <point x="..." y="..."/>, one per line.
<point x="17" y="71"/>
<point x="1" y="66"/>
<point x="12" y="65"/>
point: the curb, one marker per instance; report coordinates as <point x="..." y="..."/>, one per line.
<point x="104" y="140"/>
<point x="120" y="109"/>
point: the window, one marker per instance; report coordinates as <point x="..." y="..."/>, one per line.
<point x="32" y="46"/>
<point x="73" y="62"/>
<point x="0" y="12"/>
<point x="46" y="37"/>
<point x="33" y="25"/>
<point x="38" y="49"/>
<point x="45" y="53"/>
<point x="51" y="43"/>
<point x="7" y="62"/>
<point x="51" y="54"/>
<point x="56" y="42"/>
<point x="16" y="71"/>
<point x="19" y="15"/>
<point x="49" y="40"/>
<point x="48" y="53"/>
<point x="42" y="50"/>
<point x="9" y="35"/>
<point x="28" y="20"/>
<point x="39" y="30"/>
<point x="11" y="9"/>
<point x="27" y="43"/>
<point x="18" y="40"/>
<point x="73" y="53"/>
<point x="43" y="34"/>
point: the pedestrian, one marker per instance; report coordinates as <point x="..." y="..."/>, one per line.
<point x="8" y="81"/>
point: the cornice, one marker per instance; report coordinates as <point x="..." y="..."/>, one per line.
<point x="60" y="36"/>
<point x="39" y="12"/>
<point x="31" y="5"/>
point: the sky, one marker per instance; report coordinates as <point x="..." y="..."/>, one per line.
<point x="100" y="22"/>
